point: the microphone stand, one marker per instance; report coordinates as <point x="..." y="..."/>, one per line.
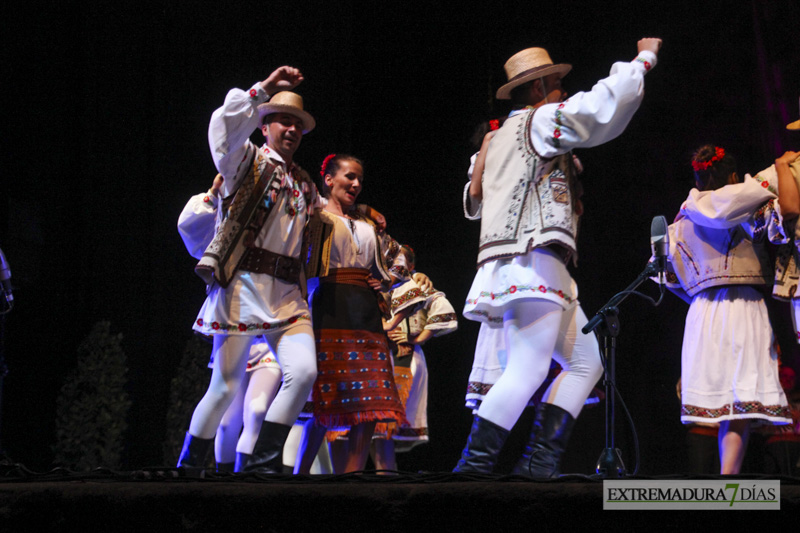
<point x="606" y="321"/>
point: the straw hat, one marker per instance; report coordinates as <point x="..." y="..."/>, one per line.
<point x="289" y="103"/>
<point x="528" y="65"/>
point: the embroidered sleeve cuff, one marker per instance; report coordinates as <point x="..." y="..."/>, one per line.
<point x="646" y="59"/>
<point x="257" y="94"/>
<point x="210" y="200"/>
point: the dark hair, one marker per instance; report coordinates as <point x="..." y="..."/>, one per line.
<point x="331" y="164"/>
<point x="712" y="167"/>
<point x="483" y="128"/>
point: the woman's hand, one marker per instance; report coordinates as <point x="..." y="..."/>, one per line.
<point x="398" y="336"/>
<point x="374" y="215"/>
<point x="788" y="158"/>
<point x="788" y="194"/>
<point x="375" y="284"/>
<point x="422" y="281"/>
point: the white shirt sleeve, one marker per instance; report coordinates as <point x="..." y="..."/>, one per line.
<point x="229" y="134"/>
<point x="592" y="118"/>
<point x="197" y="223"/>
<point x="730" y="205"/>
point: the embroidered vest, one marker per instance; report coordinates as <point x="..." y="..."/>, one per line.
<point x="244" y="218"/>
<point x="528" y="200"/>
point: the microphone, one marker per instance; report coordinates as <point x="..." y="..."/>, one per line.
<point x="5" y="278"/>
<point x="659" y="245"/>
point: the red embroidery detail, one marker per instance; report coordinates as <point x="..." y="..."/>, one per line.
<point x="242" y="327"/>
<point x="542" y="288"/>
<point x="215" y="325"/>
<point x="765" y="184"/>
<point x="253" y="93"/>
<point x="200" y="322"/>
<point x="513" y="289"/>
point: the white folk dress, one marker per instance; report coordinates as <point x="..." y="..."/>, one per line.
<point x="729" y="366"/>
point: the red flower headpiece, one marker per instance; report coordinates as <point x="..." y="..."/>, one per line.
<point x="322" y="170"/>
<point x="703" y="165"/>
<point x="494" y="124"/>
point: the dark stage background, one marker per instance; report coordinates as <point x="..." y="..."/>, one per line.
<point x="105" y="113"/>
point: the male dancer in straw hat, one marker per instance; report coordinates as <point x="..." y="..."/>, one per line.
<point x="530" y="212"/>
<point x="252" y="266"/>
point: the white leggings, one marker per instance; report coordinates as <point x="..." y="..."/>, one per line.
<point x="296" y="352"/>
<point x="246" y="414"/>
<point x="535" y="331"/>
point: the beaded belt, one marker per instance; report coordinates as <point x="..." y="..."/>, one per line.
<point x="262" y="261"/>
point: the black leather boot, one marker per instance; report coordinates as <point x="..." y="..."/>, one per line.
<point x="194" y="452"/>
<point x="241" y="460"/>
<point x="483" y="446"/>
<point x="267" y="456"/>
<point x="224" y="467"/>
<point x="549" y="437"/>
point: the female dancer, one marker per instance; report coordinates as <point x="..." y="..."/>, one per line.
<point x="355" y="388"/>
<point x="729" y="370"/>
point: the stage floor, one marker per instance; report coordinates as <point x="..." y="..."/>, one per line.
<point x="167" y="500"/>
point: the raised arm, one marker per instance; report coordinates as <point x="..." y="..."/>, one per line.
<point x="730" y="205"/>
<point x="475" y="185"/>
<point x="597" y="116"/>
<point x="232" y="124"/>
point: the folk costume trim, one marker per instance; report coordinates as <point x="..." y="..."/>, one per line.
<point x="521" y="288"/>
<point x="261" y="327"/>
<point x="754" y="408"/>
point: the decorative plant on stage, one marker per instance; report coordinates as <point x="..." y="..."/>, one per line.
<point x="186" y="390"/>
<point x="92" y="408"/>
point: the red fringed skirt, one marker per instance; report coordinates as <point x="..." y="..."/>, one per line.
<point x="355" y="380"/>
